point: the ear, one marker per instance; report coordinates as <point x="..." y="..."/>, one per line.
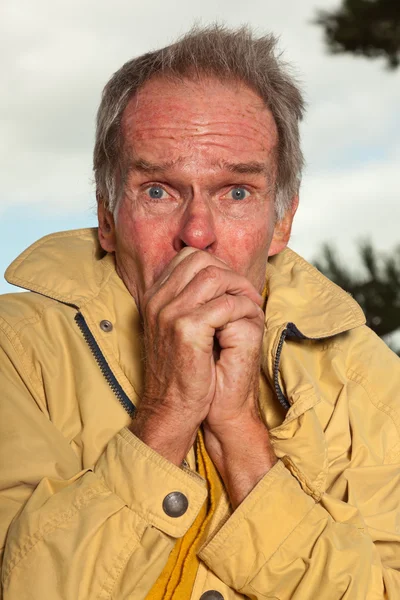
<point x="283" y="229"/>
<point x="106" y="228"/>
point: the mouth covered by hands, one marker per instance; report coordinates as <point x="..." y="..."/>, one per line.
<point x="203" y="329"/>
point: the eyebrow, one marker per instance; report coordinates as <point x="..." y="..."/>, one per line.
<point x="144" y="166"/>
<point x="243" y="168"/>
<point x="249" y="168"/>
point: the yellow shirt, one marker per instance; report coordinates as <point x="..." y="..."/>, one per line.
<point x="177" y="578"/>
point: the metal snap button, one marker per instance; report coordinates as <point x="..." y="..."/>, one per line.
<point x="175" y="504"/>
<point x="212" y="595"/>
<point x="106" y="325"/>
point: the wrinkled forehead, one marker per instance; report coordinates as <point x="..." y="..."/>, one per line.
<point x="198" y="109"/>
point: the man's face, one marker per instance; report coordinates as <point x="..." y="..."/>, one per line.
<point x="202" y="167"/>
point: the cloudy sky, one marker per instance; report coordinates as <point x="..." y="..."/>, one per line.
<point x="56" y="56"/>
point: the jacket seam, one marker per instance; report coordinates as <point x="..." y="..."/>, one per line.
<point x="356" y="529"/>
<point x="106" y="278"/>
<point x="314" y="489"/>
<point x="50" y="526"/>
<point x="393" y="455"/>
<point x="144" y="573"/>
<point x="21" y="354"/>
<point x="121" y="560"/>
<point x="266" y="561"/>
<point x="45" y="291"/>
<point x="193" y="475"/>
<point x="34" y="318"/>
<point x="77" y="301"/>
<point x="365" y="384"/>
<point x="337" y="291"/>
<point x="26" y="321"/>
<point x="21" y="282"/>
<point x="153" y="518"/>
<point x="252" y="500"/>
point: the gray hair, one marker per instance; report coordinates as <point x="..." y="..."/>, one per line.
<point x="213" y="51"/>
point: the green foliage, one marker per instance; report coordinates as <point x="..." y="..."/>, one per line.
<point x="376" y="288"/>
<point x="364" y="27"/>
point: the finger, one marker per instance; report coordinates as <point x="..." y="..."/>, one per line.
<point x="177" y="274"/>
<point x="212" y="282"/>
<point x="184" y="266"/>
<point x="209" y="284"/>
<point x="219" y="312"/>
<point x="182" y="255"/>
<point x="246" y="333"/>
<point x="200" y="277"/>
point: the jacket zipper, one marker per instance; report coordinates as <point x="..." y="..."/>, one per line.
<point x="289" y="331"/>
<point x="104" y="366"/>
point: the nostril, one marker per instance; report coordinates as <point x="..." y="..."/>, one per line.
<point x="179" y="244"/>
<point x="196" y="232"/>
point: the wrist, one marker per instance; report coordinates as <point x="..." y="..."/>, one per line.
<point x="242" y="454"/>
<point x="229" y="431"/>
<point x="241" y="443"/>
<point x="167" y="436"/>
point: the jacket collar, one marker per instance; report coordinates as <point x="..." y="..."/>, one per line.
<point x="298" y="293"/>
<point x="72" y="268"/>
<point x="69" y="266"/>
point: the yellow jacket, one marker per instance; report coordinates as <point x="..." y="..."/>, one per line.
<point x="81" y="498"/>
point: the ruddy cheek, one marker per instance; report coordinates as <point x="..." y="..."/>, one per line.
<point x="154" y="249"/>
<point x="247" y="250"/>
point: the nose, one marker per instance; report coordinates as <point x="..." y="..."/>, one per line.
<point x="197" y="226"/>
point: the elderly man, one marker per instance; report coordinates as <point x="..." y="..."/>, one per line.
<point x="190" y="410"/>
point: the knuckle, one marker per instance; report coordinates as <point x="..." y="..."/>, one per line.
<point x="162" y="318"/>
<point x="210" y="272"/>
<point x="182" y="327"/>
<point x="165" y="317"/>
<point x="192" y="256"/>
<point x="150" y="309"/>
<point x="229" y="302"/>
<point x="189" y="252"/>
<point x="260" y="315"/>
<point x="202" y="259"/>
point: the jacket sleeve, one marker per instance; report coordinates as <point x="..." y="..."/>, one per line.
<point x="71" y="534"/>
<point x="284" y="542"/>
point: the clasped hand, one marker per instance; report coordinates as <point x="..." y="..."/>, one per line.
<point x="203" y="329"/>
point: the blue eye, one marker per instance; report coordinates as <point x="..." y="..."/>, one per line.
<point x="238" y="193"/>
<point x="156" y="192"/>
